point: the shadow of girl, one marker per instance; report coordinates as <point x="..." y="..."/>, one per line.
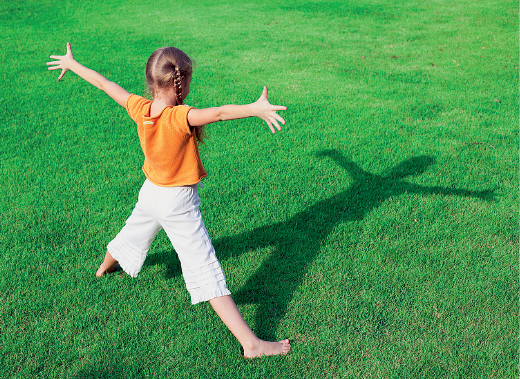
<point x="295" y="243"/>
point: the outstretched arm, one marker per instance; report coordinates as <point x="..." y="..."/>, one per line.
<point x="67" y="62"/>
<point x="260" y="108"/>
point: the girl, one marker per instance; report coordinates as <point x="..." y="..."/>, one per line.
<point x="169" y="132"/>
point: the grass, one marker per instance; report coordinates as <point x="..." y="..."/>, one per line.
<point x="377" y="231"/>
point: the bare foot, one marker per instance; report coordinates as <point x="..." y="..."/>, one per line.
<point x="102" y="270"/>
<point x="261" y="348"/>
<point x="109" y="265"/>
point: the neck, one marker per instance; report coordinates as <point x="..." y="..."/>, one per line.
<point x="160" y="102"/>
<point x="165" y="99"/>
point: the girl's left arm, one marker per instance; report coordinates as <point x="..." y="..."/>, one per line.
<point x="67" y="62"/>
<point x="260" y="108"/>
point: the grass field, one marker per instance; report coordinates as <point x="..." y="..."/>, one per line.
<point x="378" y="231"/>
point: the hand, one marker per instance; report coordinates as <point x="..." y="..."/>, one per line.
<point x="63" y="62"/>
<point x="267" y="112"/>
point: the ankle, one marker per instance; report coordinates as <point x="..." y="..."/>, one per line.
<point x="251" y="344"/>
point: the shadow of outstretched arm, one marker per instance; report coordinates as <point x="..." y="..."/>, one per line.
<point x="485" y="195"/>
<point x="353" y="169"/>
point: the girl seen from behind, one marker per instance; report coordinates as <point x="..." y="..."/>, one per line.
<point x="169" y="133"/>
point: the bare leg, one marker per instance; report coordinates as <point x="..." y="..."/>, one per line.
<point x="109" y="265"/>
<point x="228" y="312"/>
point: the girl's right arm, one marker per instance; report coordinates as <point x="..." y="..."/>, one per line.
<point x="67" y="62"/>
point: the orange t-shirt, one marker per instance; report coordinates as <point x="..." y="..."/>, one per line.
<point x="171" y="153"/>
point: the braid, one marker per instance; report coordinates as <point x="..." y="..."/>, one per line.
<point x="177" y="82"/>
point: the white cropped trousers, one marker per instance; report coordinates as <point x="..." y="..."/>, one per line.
<point x="176" y="210"/>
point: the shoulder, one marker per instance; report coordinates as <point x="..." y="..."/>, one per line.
<point x="137" y="105"/>
<point x="178" y="118"/>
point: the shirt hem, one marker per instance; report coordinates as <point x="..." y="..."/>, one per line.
<point x="176" y="184"/>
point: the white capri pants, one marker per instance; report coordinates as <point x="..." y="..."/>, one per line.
<point x="176" y="210"/>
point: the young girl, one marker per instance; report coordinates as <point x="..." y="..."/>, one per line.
<point x="169" y="132"/>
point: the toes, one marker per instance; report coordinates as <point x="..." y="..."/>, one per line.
<point x="269" y="348"/>
<point x="286" y="346"/>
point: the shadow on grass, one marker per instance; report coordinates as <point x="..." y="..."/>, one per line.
<point x="296" y="242"/>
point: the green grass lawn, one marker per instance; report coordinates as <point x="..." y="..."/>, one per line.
<point x="378" y="231"/>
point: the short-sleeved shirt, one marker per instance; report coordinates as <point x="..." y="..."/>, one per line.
<point x="171" y="153"/>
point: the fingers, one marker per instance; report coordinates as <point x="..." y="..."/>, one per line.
<point x="276" y="124"/>
<point x="60" y="59"/>
<point x="56" y="65"/>
<point x="270" y="116"/>
<point x="279" y="118"/>
<point x="264" y="93"/>
<point x="272" y="123"/>
<point x="270" y="126"/>
<point x="263" y="96"/>
<point x="53" y="63"/>
<point x="61" y="75"/>
<point x="69" y="52"/>
<point x="272" y="120"/>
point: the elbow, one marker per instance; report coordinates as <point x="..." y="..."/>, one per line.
<point x="99" y="85"/>
<point x="102" y="84"/>
<point x="219" y="114"/>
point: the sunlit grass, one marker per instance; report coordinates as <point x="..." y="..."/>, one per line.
<point x="377" y="231"/>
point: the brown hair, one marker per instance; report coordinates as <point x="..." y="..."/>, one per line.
<point x="165" y="68"/>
